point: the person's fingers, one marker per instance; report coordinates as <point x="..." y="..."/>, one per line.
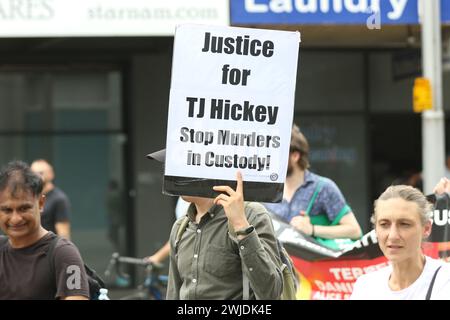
<point x="226" y="189"/>
<point x="295" y="220"/>
<point x="221" y="202"/>
<point x="224" y="197"/>
<point x="438" y="184"/>
<point x="150" y="259"/>
<point x="441" y="186"/>
<point x="294" y="223"/>
<point x="221" y="197"/>
<point x="239" y="187"/>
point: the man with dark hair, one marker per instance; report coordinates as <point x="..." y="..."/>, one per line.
<point x="56" y="214"/>
<point x="311" y="203"/>
<point x="24" y="262"/>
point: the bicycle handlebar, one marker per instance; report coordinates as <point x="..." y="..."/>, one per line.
<point x="130" y="260"/>
<point x="116" y="260"/>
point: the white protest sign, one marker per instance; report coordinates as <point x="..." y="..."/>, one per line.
<point x="231" y="103"/>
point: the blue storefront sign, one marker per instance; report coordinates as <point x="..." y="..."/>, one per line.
<point x="328" y="11"/>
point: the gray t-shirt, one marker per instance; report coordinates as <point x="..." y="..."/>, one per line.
<point x="25" y="272"/>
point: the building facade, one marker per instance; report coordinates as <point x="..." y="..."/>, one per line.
<point x="87" y="87"/>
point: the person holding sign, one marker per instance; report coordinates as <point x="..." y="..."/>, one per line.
<point x="401" y="222"/>
<point x="228" y="117"/>
<point x="311" y="203"/>
<point x="220" y="239"/>
<point x="210" y="246"/>
<point x="441" y="201"/>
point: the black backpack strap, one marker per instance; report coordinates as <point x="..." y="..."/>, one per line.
<point x="430" y="288"/>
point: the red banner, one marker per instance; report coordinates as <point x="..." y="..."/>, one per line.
<point x="333" y="279"/>
<point x="330" y="274"/>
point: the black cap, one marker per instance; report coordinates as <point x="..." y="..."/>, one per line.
<point x="158" y="155"/>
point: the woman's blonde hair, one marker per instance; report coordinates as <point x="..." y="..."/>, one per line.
<point x="406" y="193"/>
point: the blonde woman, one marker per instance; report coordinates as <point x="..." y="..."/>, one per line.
<point x="401" y="220"/>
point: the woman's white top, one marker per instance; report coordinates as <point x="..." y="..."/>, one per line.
<point x="374" y="285"/>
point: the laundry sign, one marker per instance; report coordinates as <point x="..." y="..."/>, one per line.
<point x="329" y="11"/>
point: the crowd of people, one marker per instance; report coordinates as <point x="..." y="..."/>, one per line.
<point x="222" y="247"/>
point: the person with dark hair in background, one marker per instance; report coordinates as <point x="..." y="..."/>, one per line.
<point x="56" y="215"/>
<point x="25" y="270"/>
<point x="410" y="177"/>
<point x="311" y="203"/>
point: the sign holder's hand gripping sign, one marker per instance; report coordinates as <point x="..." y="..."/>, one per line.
<point x="231" y="108"/>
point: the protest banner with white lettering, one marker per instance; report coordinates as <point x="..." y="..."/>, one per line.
<point x="231" y="108"/>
